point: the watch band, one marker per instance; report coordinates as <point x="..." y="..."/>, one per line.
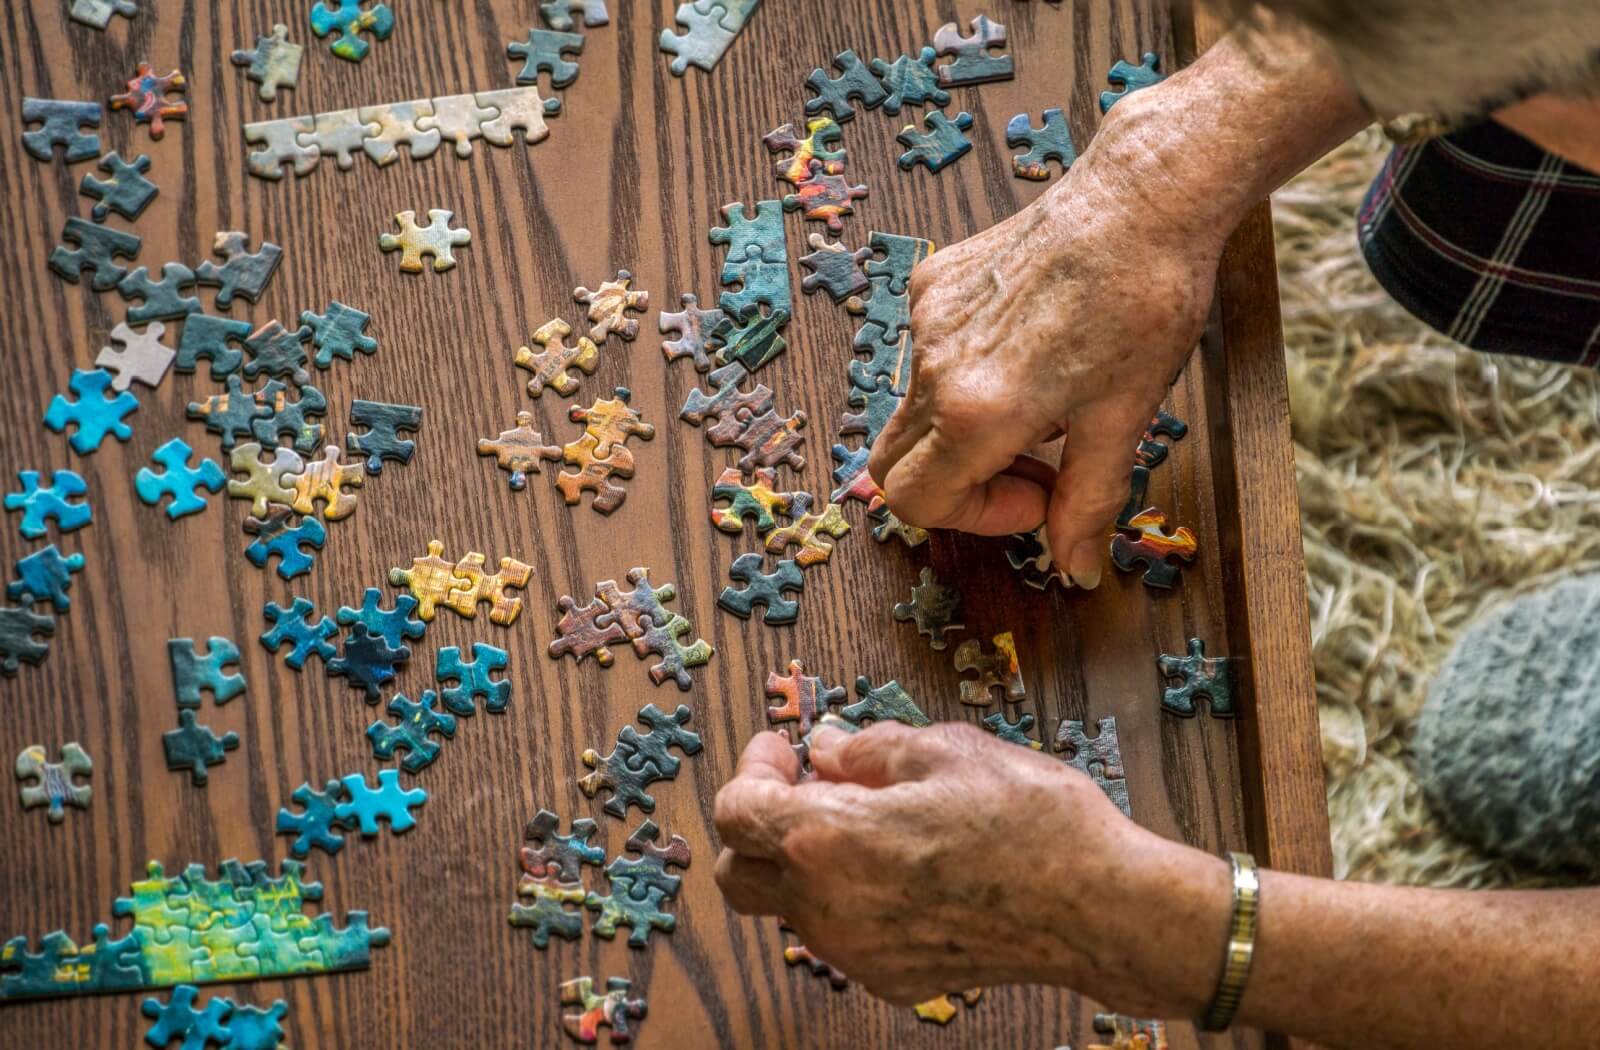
<point x="1240" y="948"/>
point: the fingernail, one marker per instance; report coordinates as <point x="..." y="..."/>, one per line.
<point x="1083" y="567"/>
<point x="823" y="735"/>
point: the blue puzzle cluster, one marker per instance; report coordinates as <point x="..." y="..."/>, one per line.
<point x="345" y="804"/>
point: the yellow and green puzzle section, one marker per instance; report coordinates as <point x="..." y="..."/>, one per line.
<point x="193" y="930"/>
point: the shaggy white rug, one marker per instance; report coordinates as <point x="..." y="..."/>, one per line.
<point x="1434" y="482"/>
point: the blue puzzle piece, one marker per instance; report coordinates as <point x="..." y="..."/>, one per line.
<point x="349" y="21"/>
<point x="252" y="1028"/>
<point x="294" y="625"/>
<point x="387" y="803"/>
<point x="61" y="123"/>
<point x="395" y="626"/>
<point x="93" y="413"/>
<point x="942" y="144"/>
<point x="368" y="661"/>
<point x="290" y="547"/>
<point x="98" y="248"/>
<point x="315" y="825"/>
<point x="763" y="589"/>
<point x="474" y="678"/>
<point x="179" y="480"/>
<point x="410" y="734"/>
<point x="339" y="333"/>
<point x="1130" y="78"/>
<point x="382" y="441"/>
<point x="127" y="192"/>
<point x="178" y="1019"/>
<point x="45" y="575"/>
<point x="163" y="299"/>
<point x="192" y="673"/>
<point x="17" y="628"/>
<point x="40" y="504"/>
<point x="193" y="746"/>
<point x="542" y="52"/>
<point x="235" y="414"/>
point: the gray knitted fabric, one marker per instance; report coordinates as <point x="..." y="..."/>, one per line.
<point x="1508" y="745"/>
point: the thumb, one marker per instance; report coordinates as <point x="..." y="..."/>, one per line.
<point x="884" y="753"/>
<point x="1092" y="484"/>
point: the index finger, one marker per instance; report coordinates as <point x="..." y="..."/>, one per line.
<point x="755" y="810"/>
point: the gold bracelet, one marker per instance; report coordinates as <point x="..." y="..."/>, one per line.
<point x="1240" y="948"/>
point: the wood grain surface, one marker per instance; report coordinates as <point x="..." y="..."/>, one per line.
<point x="631" y="177"/>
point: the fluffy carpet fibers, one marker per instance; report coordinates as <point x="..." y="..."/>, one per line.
<point x="1434" y="483"/>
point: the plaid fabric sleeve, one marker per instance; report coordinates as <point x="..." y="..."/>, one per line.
<point x="1492" y="241"/>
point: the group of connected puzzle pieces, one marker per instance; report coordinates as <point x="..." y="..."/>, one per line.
<point x="639" y="759"/>
<point x="637" y="614"/>
<point x="190" y="929"/>
<point x="230" y="1025"/>
<point x="348" y="803"/>
<point x="462" y="585"/>
<point x="710" y="26"/>
<point x="44" y="577"/>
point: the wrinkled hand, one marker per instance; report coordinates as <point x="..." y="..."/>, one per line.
<point x="1072" y="317"/>
<point x="924" y="861"/>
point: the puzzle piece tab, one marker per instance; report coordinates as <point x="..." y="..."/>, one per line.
<point x="1013" y="732"/>
<point x="796" y="168"/>
<point x="545" y="911"/>
<point x="178" y="480"/>
<point x="54" y="784"/>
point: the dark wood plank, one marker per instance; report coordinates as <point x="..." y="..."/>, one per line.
<point x="631" y="176"/>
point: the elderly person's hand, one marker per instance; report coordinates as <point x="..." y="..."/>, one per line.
<point x="923" y="861"/>
<point x="1071" y="317"/>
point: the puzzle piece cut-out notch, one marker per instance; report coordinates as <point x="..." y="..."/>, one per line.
<point x="195" y="747"/>
<point x="136" y="356"/>
<point x="178" y="479"/>
<point x="557" y="14"/>
<point x="553" y="363"/>
<point x="147" y="97"/>
<point x="273" y="63"/>
<point x="764" y="589"/>
<point x="382" y="440"/>
<point x="242" y="272"/>
<point x="972" y="59"/>
<point x="126" y="191"/>
<point x="56" y="502"/>
<point x="942" y="144"/>
<point x="1050" y="141"/>
<point x="1128" y="78"/>
<point x="519" y="451"/>
<point x="417" y="721"/>
<point x="347" y="21"/>
<point x="474" y="679"/>
<point x="805" y="697"/>
<point x="996" y="670"/>
<point x="639" y="759"/>
<point x="45" y="576"/>
<point x="1203" y="676"/>
<point x="544" y="52"/>
<point x="61" y="123"/>
<point x="613" y="1010"/>
<point x="934" y="607"/>
<point x="435" y="239"/>
<point x="98" y="248"/>
<point x="54" y="784"/>
<point x="193" y="673"/>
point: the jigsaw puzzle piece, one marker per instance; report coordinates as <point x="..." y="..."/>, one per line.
<point x="763" y="589"/>
<point x="278" y="352"/>
<point x="417" y="721"/>
<point x="639" y="887"/>
<point x="1098" y="757"/>
<point x="56" y="502"/>
<point x="757" y="500"/>
<point x="160" y="300"/>
<point x="294" y="546"/>
<point x="834" y="268"/>
<point x="557" y="14"/>
<point x="934" y="607"/>
<point x="972" y="62"/>
<point x="193" y="673"/>
<point x="207" y="337"/>
<point x="395" y="626"/>
<point x="473" y="678"/>
<point x="890" y="525"/>
<point x="940" y="145"/>
<point x="98" y="248"/>
<point x="1128" y="78"/>
<point x="347" y="20"/>
<point x="996" y="670"/>
<point x="396" y="124"/>
<point x="1013" y="732"/>
<point x="884" y="703"/>
<point x="429" y="580"/>
<point x="519" y="108"/>
<point x="694" y="328"/>
<point x="747" y="236"/>
<point x="547" y="913"/>
<point x="54" y="784"/>
<point x="911" y="81"/>
<point x="306" y="637"/>
<point x="543" y="52"/>
<point x="706" y="38"/>
<point x="273" y="63"/>
<point x="178" y="480"/>
<point x="126" y="192"/>
<point x="1152" y="548"/>
<point x="753" y="341"/>
<point x="1203" y="676"/>
<point x="823" y="197"/>
<point x="458" y="119"/>
<point x="147" y="98"/>
<point x="18" y="626"/>
<point x="806" y="532"/>
<point x="340" y="134"/>
<point x="855" y="81"/>
<point x="613" y="1010"/>
<point x="269" y="482"/>
<point x="519" y="450"/>
<point x="277" y="417"/>
<point x="387" y="803"/>
<point x="877" y="406"/>
<point x="280" y="143"/>
<point x="195" y="747"/>
<point x="758" y="282"/>
<point x="435" y="239"/>
<point x="324" y="481"/>
<point x="639" y="759"/>
<point x="580" y="631"/>
<point x="551" y="364"/>
<point x="97" y="13"/>
<point x="60" y="124"/>
<point x="367" y="662"/>
<point x="478" y="586"/>
<point x="805" y="697"/>
<point x="796" y="168"/>
<point x="45" y="576"/>
<point x="382" y="440"/>
<point x="141" y="356"/>
<point x="558" y="856"/>
<point x="1051" y="141"/>
<point x="315" y="824"/>
<point x="609" y="306"/>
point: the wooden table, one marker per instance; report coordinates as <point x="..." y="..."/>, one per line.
<point x="631" y="177"/>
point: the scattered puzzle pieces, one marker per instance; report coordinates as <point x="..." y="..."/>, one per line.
<point x="805" y="697"/>
<point x="273" y="63"/>
<point x="417" y="720"/>
<point x="942" y="144"/>
<point x="306" y="637"/>
<point x="972" y="61"/>
<point x="243" y="272"/>
<point x="18" y="626"/>
<point x="382" y="440"/>
<point x="639" y="887"/>
<point x="1209" y="677"/>
<point x="855" y="81"/>
<point x="1051" y="141"/>
<point x="519" y="450"/>
<point x="53" y="782"/>
<point x="935" y="608"/>
<point x="315" y="825"/>
<point x="388" y="803"/>
<point x="140" y="357"/>
<point x="435" y="239"/>
<point x="147" y="98"/>
<point x="178" y="480"/>
<point x="613" y="1010"/>
<point x="1128" y="78"/>
<point x="551" y="364"/>
<point x="347" y="21"/>
<point x="193" y="673"/>
<point x="609" y="306"/>
<point x="395" y="626"/>
<point x="639" y="759"/>
<point x="996" y="670"/>
<point x="1098" y="757"/>
<point x="195" y="747"/>
<point x="884" y="703"/>
<point x="55" y="502"/>
<point x="98" y="248"/>
<point x="1152" y="548"/>
<point x="45" y="576"/>
<point x="60" y="124"/>
<point x="367" y="662"/>
<point x="763" y="589"/>
<point x="178" y="1019"/>
<point x="473" y="678"/>
<point x="126" y="192"/>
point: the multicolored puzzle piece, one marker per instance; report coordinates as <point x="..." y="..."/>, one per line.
<point x="934" y="607"/>
<point x="639" y="759"/>
<point x="805" y="697"/>
<point x="613" y="1010"/>
<point x="435" y="239"/>
<point x="347" y="20"/>
<point x="273" y="63"/>
<point x="996" y="670"/>
<point x="639" y="887"/>
<point x="519" y="450"/>
<point x="609" y="306"/>
<point x="147" y="97"/>
<point x="1098" y="757"/>
<point x="600" y="454"/>
<point x="1152" y="548"/>
<point x="53" y="783"/>
<point x="1203" y="676"/>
